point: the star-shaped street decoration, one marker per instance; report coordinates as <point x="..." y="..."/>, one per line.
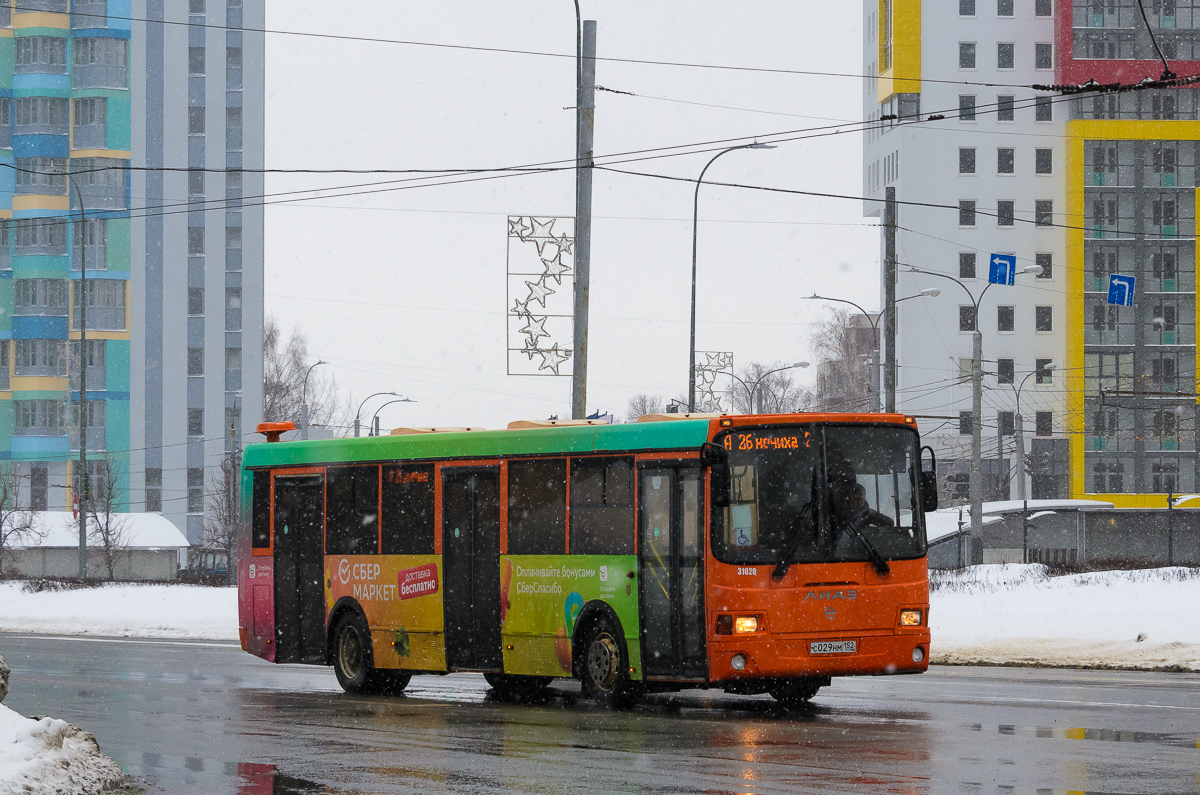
<point x="535" y="328"/>
<point x="543" y="243"/>
<point x="566" y="244"/>
<point x="543" y="229"/>
<point x="530" y="348"/>
<point x="552" y="359"/>
<point x="538" y="291"/>
<point x="520" y="308"/>
<point x="719" y="360"/>
<point x="555" y="268"/>
<point x="517" y="227"/>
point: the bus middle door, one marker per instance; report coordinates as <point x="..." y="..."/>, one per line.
<point x="471" y="567"/>
<point x="671" y="565"/>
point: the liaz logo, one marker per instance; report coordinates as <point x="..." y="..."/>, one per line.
<point x="827" y="595"/>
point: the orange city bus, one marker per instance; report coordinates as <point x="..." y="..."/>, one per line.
<point x="757" y="554"/>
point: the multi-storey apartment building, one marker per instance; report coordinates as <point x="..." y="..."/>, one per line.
<point x="142" y="113"/>
<point x="1084" y="185"/>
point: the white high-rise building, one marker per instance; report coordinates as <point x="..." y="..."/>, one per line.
<point x="1084" y="186"/>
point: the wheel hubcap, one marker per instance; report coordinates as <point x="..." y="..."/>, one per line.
<point x="603" y="661"/>
<point x="350" y="652"/>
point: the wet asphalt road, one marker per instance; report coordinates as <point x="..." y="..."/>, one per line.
<point x="208" y="718"/>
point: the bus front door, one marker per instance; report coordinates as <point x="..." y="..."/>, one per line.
<point x="671" y="565"/>
<point x="299" y="591"/>
<point x="471" y="567"/>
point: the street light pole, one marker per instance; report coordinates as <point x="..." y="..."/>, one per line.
<point x="363" y="403"/>
<point x="976" y="482"/>
<point x="931" y="292"/>
<point x="375" y="431"/>
<point x="756" y="390"/>
<point x="695" y="227"/>
<point x="304" y="400"/>
<point x="1019" y="429"/>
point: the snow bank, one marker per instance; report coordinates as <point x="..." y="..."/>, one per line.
<point x="1018" y="615"/>
<point x="994" y="615"/>
<point x="123" y="610"/>
<point x="51" y="756"/>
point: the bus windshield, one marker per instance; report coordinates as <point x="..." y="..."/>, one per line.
<point x="819" y="493"/>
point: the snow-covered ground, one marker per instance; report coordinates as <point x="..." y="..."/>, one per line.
<point x="127" y="610"/>
<point x="1017" y="615"/>
<point x="1000" y="615"/>
<point x="51" y="756"/>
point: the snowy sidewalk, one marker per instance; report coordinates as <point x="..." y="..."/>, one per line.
<point x="994" y="615"/>
<point x="1017" y="615"/>
<point x="130" y="611"/>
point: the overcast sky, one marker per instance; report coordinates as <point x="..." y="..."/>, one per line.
<point x="404" y="290"/>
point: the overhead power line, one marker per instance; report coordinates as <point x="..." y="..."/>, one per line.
<point x="535" y="53"/>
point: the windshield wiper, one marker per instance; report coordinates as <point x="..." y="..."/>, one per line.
<point x="881" y="565"/>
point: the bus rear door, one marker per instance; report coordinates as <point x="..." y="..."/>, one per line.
<point x="671" y="565"/>
<point x="299" y="581"/>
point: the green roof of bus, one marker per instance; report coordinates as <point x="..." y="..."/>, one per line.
<point x="554" y="440"/>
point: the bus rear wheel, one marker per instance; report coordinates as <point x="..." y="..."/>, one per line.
<point x="603" y="665"/>
<point x="352" y="661"/>
<point x="795" y="693"/>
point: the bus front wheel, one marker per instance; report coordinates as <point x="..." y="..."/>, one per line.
<point x="794" y="693"/>
<point x="352" y="660"/>
<point x="604" y="666"/>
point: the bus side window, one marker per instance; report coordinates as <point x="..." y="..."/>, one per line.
<point x="352" y="510"/>
<point x="260" y="511"/>
<point x="537" y="507"/>
<point x="602" y="520"/>
<point x="408" y="510"/>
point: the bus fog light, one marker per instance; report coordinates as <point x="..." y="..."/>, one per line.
<point x="918" y="654"/>
<point x="745" y="624"/>
<point x="738" y="663"/>
<point x="910" y="618"/>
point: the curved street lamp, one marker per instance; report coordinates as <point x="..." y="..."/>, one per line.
<point x="756" y="389"/>
<point x="976" y="482"/>
<point x="929" y="292"/>
<point x="363" y="403"/>
<point x="304" y="399"/>
<point x="373" y="431"/>
<point x="695" y="227"/>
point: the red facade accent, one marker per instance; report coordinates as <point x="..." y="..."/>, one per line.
<point x="1069" y="71"/>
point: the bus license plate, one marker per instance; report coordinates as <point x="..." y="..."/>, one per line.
<point x="833" y="647"/>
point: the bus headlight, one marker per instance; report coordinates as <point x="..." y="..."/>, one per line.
<point x="745" y="624"/>
<point x="738" y="663"/>
<point x="910" y="618"/>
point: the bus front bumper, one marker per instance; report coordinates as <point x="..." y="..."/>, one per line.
<point x="771" y="657"/>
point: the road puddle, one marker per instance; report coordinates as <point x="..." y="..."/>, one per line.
<point x="258" y="779"/>
<point x="1095" y="735"/>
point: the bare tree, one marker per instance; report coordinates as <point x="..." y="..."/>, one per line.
<point x="17" y="525"/>
<point x="767" y="392"/>
<point x="285" y="365"/>
<point x="843" y="343"/>
<point x="643" y="403"/>
<point x="223" y="520"/>
<point x="109" y="529"/>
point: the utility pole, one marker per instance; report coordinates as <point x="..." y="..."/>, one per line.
<point x="875" y="379"/>
<point x="976" y="436"/>
<point x="1019" y="428"/>
<point x="83" y="488"/>
<point x="889" y="302"/>
<point x="585" y="118"/>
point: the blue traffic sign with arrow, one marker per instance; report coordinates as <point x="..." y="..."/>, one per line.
<point x="1120" y="289"/>
<point x="1002" y="269"/>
